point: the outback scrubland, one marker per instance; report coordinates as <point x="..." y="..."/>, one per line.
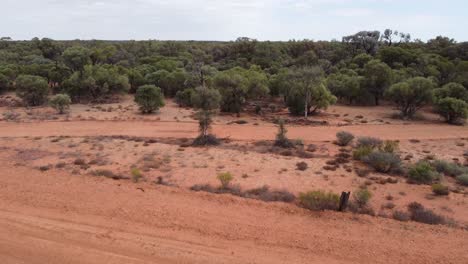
<point x="234" y="152"/>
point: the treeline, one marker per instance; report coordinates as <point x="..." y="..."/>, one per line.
<point x="363" y="69"/>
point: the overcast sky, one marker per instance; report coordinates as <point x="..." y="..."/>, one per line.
<point x="227" y="20"/>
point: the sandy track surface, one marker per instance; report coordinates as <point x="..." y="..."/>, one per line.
<point x="82" y="219"/>
<point x="236" y="132"/>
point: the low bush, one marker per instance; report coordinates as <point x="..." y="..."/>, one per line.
<point x="449" y="169"/>
<point x="389" y="146"/>
<point x="382" y="161"/>
<point x="463" y="179"/>
<point x="362" y="197"/>
<point x="136" y="175"/>
<point x="361" y="152"/>
<point x="420" y="214"/>
<point x="422" y="173"/>
<point x="149" y="98"/>
<point x="225" y="179"/>
<point x="319" y="200"/>
<point x="439" y="189"/>
<point x="344" y="138"/>
<point x="207" y="140"/>
<point x="265" y="194"/>
<point x="302" y="166"/>
<point x="369" y="142"/>
<point x="60" y="102"/>
<point x="401" y="216"/>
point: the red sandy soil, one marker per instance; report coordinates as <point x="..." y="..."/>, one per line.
<point x="65" y="215"/>
<point x="234" y="132"/>
<point x="59" y="218"/>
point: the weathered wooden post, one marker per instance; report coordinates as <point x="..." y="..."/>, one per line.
<point x="344" y="201"/>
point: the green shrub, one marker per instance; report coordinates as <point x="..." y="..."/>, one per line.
<point x="149" y="98"/>
<point x="136" y="174"/>
<point x="422" y="173"/>
<point x="463" y="179"/>
<point x="439" y="189"/>
<point x="369" y="142"/>
<point x="447" y="168"/>
<point x="454" y="111"/>
<point x="319" y="200"/>
<point x="361" y="152"/>
<point x="225" y="179"/>
<point x="184" y="98"/>
<point x="382" y="161"/>
<point x="362" y="197"/>
<point x="33" y="90"/>
<point x="344" y="138"/>
<point x="60" y="102"/>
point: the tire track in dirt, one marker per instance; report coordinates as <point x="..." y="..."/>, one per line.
<point x="235" y="132"/>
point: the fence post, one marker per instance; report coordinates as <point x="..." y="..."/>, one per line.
<point x="344" y="201"/>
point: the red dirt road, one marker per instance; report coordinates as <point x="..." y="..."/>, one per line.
<point x="235" y="132"/>
<point x="54" y="217"/>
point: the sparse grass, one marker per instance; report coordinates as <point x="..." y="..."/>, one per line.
<point x="319" y="200"/>
<point x="439" y="189"/>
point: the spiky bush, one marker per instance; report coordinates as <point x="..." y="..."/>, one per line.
<point x="344" y="138"/>
<point x="382" y="161"/>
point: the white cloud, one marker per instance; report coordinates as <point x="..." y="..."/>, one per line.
<point x="224" y="20"/>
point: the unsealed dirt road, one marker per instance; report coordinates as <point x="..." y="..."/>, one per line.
<point x="235" y="132"/>
<point x="54" y="217"/>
